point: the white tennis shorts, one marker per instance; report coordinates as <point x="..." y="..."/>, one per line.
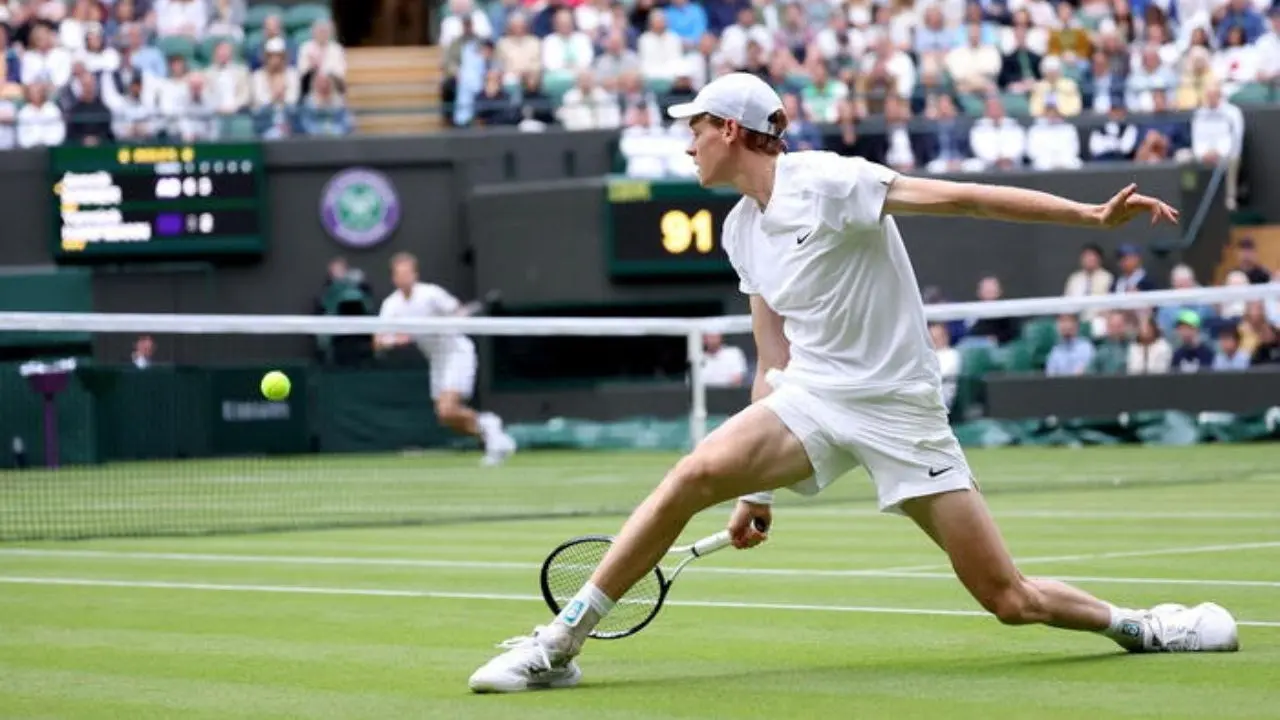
<point x="902" y="438"/>
<point x="454" y="371"/>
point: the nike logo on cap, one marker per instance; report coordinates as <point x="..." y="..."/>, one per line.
<point x="935" y="473"/>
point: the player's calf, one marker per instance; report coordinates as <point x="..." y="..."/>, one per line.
<point x="1014" y="603"/>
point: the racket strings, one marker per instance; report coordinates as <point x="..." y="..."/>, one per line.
<point x="572" y="567"/>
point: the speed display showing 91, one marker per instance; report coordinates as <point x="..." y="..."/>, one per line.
<point x="173" y="206"/>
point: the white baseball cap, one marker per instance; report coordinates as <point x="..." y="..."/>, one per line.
<point x="741" y="97"/>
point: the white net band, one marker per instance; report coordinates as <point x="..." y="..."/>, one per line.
<point x="190" y="324"/>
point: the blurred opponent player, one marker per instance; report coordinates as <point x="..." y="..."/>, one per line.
<point x="452" y="357"/>
<point x="847" y="377"/>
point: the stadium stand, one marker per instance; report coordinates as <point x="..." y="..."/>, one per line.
<point x="937" y="86"/>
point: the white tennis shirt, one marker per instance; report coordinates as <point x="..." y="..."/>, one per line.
<point x="824" y="257"/>
<point x="427" y="301"/>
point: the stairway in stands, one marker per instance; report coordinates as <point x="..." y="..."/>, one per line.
<point x="395" y="90"/>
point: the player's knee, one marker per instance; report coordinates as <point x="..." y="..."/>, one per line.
<point x="1014" y="604"/>
<point x="697" y="478"/>
<point x="449" y="413"/>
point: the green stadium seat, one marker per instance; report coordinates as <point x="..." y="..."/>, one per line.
<point x="658" y="86"/>
<point x="977" y="361"/>
<point x="1019" y="356"/>
<point x="1041" y="334"/>
<point x="211" y="43"/>
<point x="799" y="81"/>
<point x="303" y="16"/>
<point x="556" y="83"/>
<point x="299" y="36"/>
<point x="1252" y="94"/>
<point x="972" y="105"/>
<point x="238" y="127"/>
<point x="1016" y="104"/>
<point x="252" y="43"/>
<point x="177" y="45"/>
<point x="258" y="14"/>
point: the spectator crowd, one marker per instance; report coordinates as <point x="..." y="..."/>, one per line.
<point x="97" y="71"/>
<point x="952" y="85"/>
<point x="1167" y="339"/>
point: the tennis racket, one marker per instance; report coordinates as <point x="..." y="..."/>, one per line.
<point x="570" y="566"/>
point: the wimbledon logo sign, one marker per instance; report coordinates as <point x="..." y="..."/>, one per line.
<point x="359" y="207"/>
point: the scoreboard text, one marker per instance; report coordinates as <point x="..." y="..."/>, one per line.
<point x="120" y="203"/>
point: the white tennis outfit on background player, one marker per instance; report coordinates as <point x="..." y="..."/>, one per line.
<point x="862" y="385"/>
<point x="451" y="356"/>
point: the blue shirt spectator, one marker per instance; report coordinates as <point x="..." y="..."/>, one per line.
<point x="933" y="35"/>
<point x="974" y="13"/>
<point x="1132" y="276"/>
<point x="471" y="73"/>
<point x="1229" y="355"/>
<point x="722" y="13"/>
<point x="150" y="61"/>
<point x="687" y="19"/>
<point x="1072" y="354"/>
<point x="323" y="112"/>
<point x="1182" y="277"/>
<point x="1239" y="14"/>
<point x="801" y="134"/>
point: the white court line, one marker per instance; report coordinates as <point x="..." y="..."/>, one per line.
<point x="435" y="595"/>
<point x="488" y="565"/>
<point x="1051" y="514"/>
<point x="1195" y="549"/>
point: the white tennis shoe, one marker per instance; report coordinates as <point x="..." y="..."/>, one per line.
<point x="531" y="662"/>
<point x="1207" y="627"/>
<point x="498" y="445"/>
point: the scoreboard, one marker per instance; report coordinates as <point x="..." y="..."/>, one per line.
<point x="118" y="203"/>
<point x="659" y="229"/>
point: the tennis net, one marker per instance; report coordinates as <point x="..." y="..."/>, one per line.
<point x="135" y="425"/>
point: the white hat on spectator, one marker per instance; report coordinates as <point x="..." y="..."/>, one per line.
<point x="740" y="97"/>
<point x="274" y="45"/>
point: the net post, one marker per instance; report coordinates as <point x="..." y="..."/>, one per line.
<point x="698" y="407"/>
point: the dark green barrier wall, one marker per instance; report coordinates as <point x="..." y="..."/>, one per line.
<point x="114" y="414"/>
<point x="121" y="413"/>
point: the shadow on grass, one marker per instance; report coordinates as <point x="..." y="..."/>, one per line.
<point x="854" y="671"/>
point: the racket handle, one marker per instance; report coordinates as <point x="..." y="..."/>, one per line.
<point x="711" y="543"/>
<point x="722" y="539"/>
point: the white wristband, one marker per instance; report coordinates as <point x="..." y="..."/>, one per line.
<point x="760" y="498"/>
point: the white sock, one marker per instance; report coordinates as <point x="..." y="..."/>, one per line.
<point x="1125" y="626"/>
<point x="581" y="614"/>
<point x="488" y="424"/>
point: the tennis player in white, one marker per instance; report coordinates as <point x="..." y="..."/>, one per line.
<point x="452" y="357"/>
<point x="847" y="377"/>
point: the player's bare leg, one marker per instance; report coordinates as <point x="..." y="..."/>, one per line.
<point x="750" y="453"/>
<point x="454" y="414"/>
<point x="960" y="523"/>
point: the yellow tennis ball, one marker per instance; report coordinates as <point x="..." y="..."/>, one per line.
<point x="275" y="385"/>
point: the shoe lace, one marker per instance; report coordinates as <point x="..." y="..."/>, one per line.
<point x="537" y="651"/>
<point x="1173" y="633"/>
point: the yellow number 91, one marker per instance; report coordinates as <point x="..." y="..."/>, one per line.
<point x="680" y="231"/>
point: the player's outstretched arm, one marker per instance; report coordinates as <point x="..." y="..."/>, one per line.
<point x="929" y="196"/>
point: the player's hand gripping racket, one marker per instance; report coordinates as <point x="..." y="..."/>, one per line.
<point x="570" y="566"/>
